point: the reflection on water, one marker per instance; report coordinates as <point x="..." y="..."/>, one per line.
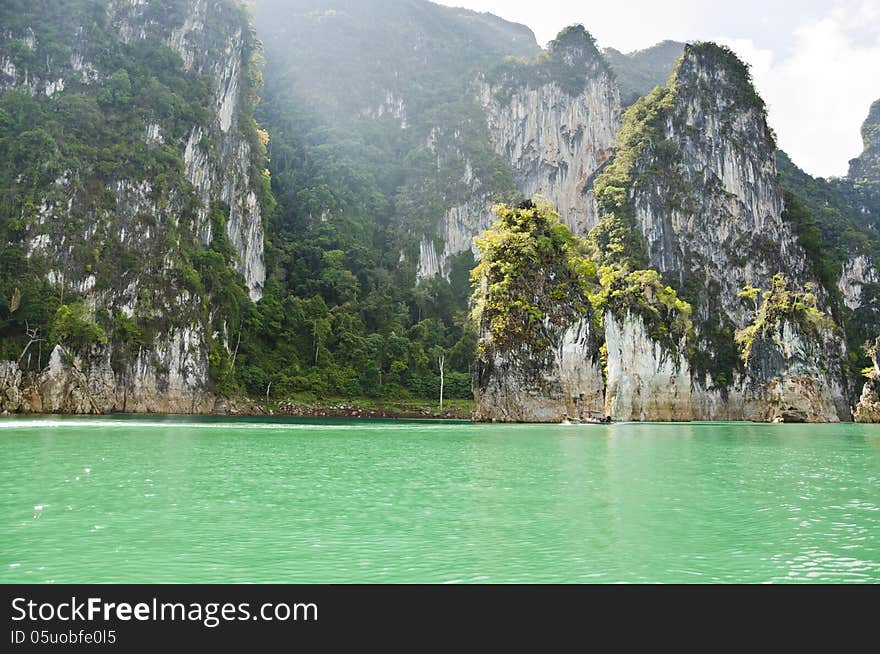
<point x="215" y="500"/>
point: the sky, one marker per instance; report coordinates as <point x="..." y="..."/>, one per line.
<point x="815" y="62"/>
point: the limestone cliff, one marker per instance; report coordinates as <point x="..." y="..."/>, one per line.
<point x="555" y="123"/>
<point x="705" y="198"/>
<point x="552" y="120"/>
<point x="865" y="169"/>
<point x="649" y="382"/>
<point x="859" y="271"/>
<point x="131" y="239"/>
<point x="562" y="381"/>
<point x="646" y="381"/>
<point x="539" y="358"/>
<point x="217" y="44"/>
<point x="692" y="193"/>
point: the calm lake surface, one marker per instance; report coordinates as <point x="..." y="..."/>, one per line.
<point x="219" y="500"/>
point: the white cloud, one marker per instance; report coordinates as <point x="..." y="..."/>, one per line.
<point x="820" y="93"/>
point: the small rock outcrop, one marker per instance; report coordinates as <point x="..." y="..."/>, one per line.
<point x="539" y="357"/>
<point x="868" y="409"/>
<point x="10" y="387"/>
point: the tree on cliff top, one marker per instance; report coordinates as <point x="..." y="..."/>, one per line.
<point x="532" y="274"/>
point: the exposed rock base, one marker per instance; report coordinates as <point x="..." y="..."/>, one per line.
<point x="647" y="382"/>
<point x="868" y="410"/>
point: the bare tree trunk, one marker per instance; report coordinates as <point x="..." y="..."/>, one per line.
<point x="34" y="337"/>
<point x="315" y="339"/>
<point x="441" y="362"/>
<point x="235" y="354"/>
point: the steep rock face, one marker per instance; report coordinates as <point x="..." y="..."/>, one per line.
<point x="645" y="380"/>
<point x="788" y="377"/>
<point x="125" y="240"/>
<point x="866" y="168"/>
<point x="552" y="121"/>
<point x="471" y="191"/>
<point x="169" y="380"/>
<point x="714" y="212"/>
<point x="553" y="134"/>
<point x="558" y="383"/>
<point x="857" y="272"/>
<point x="223" y="172"/>
<point x="864" y="171"/>
<point x="457" y="229"/>
<point x="649" y="382"/>
<point x="10" y="387"/>
<point x="539" y="358"/>
<point x="68" y="385"/>
<point x="693" y="193"/>
<point x="707" y="202"/>
<point x="868" y="409"/>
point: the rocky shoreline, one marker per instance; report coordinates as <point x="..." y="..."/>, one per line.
<point x="345" y="410"/>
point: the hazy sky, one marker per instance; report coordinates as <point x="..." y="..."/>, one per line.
<point x="815" y="62"/>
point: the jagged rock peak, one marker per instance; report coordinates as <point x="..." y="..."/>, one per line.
<point x="866" y="168"/>
<point x="574" y="45"/>
<point x="554" y="119"/>
<point x="571" y="60"/>
<point x="714" y="72"/>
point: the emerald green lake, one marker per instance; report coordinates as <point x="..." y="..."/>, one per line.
<point x="220" y="500"/>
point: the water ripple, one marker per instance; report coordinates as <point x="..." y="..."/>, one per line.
<point x="210" y="500"/>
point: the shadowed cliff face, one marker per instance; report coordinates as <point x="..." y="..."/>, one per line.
<point x="864" y="172"/>
<point x="155" y="191"/>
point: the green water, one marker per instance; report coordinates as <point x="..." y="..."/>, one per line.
<point x="178" y="500"/>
